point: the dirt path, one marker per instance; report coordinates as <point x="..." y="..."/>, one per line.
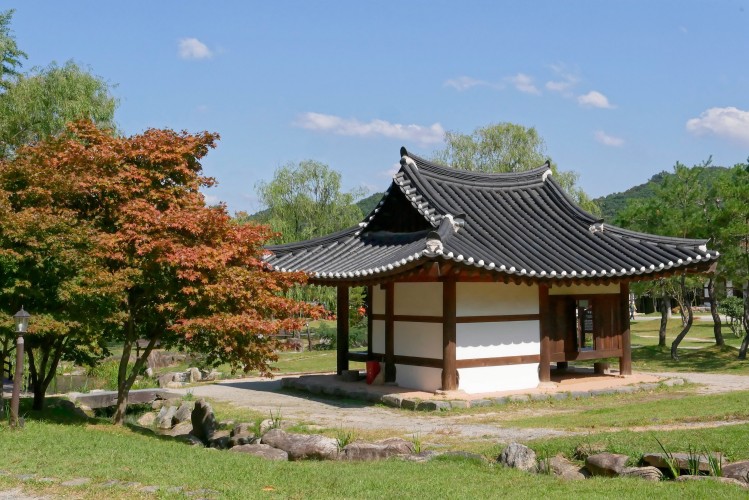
<point x="264" y="396"/>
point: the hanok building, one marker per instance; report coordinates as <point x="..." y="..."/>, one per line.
<point x="480" y="281"/>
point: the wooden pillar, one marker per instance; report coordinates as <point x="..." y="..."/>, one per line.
<point x="370" y="312"/>
<point x="390" y="332"/>
<point x="342" y="311"/>
<point x="449" y="329"/>
<point x="625" y="362"/>
<point x="544" y="373"/>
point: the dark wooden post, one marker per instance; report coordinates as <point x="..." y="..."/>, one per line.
<point x="370" y="312"/>
<point x="390" y="332"/>
<point x="544" y="372"/>
<point x="449" y="364"/>
<point x="342" y="312"/>
<point x="625" y="362"/>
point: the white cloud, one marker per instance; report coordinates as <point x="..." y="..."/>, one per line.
<point x="523" y="83"/>
<point x="731" y="123"/>
<point x="594" y="99"/>
<point x="352" y="127"/>
<point x="608" y="140"/>
<point x="567" y="80"/>
<point x="466" y="82"/>
<point x="192" y="48"/>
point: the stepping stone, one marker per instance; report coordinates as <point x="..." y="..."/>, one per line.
<point x="25" y="477"/>
<point x="149" y="489"/>
<point x="110" y="483"/>
<point x="79" y="481"/>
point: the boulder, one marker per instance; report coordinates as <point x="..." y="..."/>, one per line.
<point x="423" y="456"/>
<point x="190" y="439"/>
<point x="561" y="467"/>
<point x="203" y="421"/>
<point x="242" y="429"/>
<point x="165" y="416"/>
<point x="166" y="379"/>
<point x="518" y="456"/>
<point x="242" y="439"/>
<point x="301" y="446"/>
<point x="210" y="376"/>
<point x="220" y="440"/>
<point x="583" y="451"/>
<point x="724" y="480"/>
<point x="738" y="471"/>
<point x="606" y="464"/>
<point x="649" y="473"/>
<point x="193" y="375"/>
<point x="376" y="451"/>
<point x="181" y="429"/>
<point x="261" y="450"/>
<point x="682" y="460"/>
<point x="183" y="413"/>
<point x="147" y="419"/>
<point x="398" y="446"/>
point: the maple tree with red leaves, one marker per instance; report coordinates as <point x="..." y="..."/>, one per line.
<point x="153" y="261"/>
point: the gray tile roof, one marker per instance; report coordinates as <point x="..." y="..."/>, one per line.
<point x="516" y="224"/>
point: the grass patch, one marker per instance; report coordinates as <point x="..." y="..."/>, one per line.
<point x="634" y="411"/>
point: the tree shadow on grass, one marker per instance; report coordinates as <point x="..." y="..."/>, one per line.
<point x="709" y="359"/>
<point x="57" y="410"/>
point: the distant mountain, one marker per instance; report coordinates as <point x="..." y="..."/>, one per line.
<point x="366" y="205"/>
<point x="614" y="203"/>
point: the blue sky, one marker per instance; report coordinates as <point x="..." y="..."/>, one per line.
<point x="619" y="90"/>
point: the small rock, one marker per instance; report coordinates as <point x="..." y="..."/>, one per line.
<point x="518" y="456"/>
<point x="79" y="481"/>
<point x="649" y="473"/>
<point x="737" y="470"/>
<point x="261" y="450"/>
<point x="180" y="429"/>
<point x="190" y="439"/>
<point x="165" y="416"/>
<point x="147" y="419"/>
<point x="183" y="413"/>
<point x="606" y="464"/>
<point x="660" y="460"/>
<point x="193" y="375"/>
<point x="301" y="446"/>
<point x="561" y="467"/>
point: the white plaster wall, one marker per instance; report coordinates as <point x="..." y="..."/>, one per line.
<point x="418" y="377"/>
<point x="483" y="299"/>
<point x="378" y="336"/>
<point x="423" y="340"/>
<point x="584" y="289"/>
<point x="378" y="300"/>
<point x="494" y="340"/>
<point x="418" y="299"/>
<point x="498" y="378"/>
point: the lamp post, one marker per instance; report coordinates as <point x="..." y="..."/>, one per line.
<point x="22" y="323"/>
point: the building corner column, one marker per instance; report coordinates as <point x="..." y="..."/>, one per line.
<point x="449" y="334"/>
<point x="544" y="368"/>
<point x="342" y="323"/>
<point x="390" y="332"/>
<point x="625" y="362"/>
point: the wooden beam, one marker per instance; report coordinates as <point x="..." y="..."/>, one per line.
<point x="501" y="361"/>
<point x="449" y="329"/>
<point x="544" y="373"/>
<point x="342" y="312"/>
<point x="625" y="361"/>
<point x="390" y="332"/>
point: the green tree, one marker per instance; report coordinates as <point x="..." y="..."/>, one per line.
<point x="305" y="200"/>
<point x="10" y="55"/>
<point x="507" y="147"/>
<point x="733" y="235"/>
<point x="40" y="104"/>
<point x="681" y="208"/>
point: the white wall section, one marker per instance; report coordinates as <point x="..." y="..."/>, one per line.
<point x="494" y="340"/>
<point x="498" y="378"/>
<point x="484" y="299"/>
<point x="418" y="299"/>
<point x="423" y="378"/>
<point x="423" y="340"/>
<point x="378" y="336"/>
<point x="378" y="300"/>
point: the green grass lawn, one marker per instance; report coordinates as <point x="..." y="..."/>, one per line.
<point x="56" y="445"/>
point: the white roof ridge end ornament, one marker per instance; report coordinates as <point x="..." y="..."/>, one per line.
<point x="596" y="227"/>
<point x="433" y="244"/>
<point x="545" y="175"/>
<point x="407" y="160"/>
<point x="456" y="221"/>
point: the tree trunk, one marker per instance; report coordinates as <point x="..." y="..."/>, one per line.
<point x="690" y="319"/>
<point x="42" y="376"/>
<point x="665" y="308"/>
<point x="745" y="342"/>
<point x="714" y="312"/>
<point x="124" y="381"/>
